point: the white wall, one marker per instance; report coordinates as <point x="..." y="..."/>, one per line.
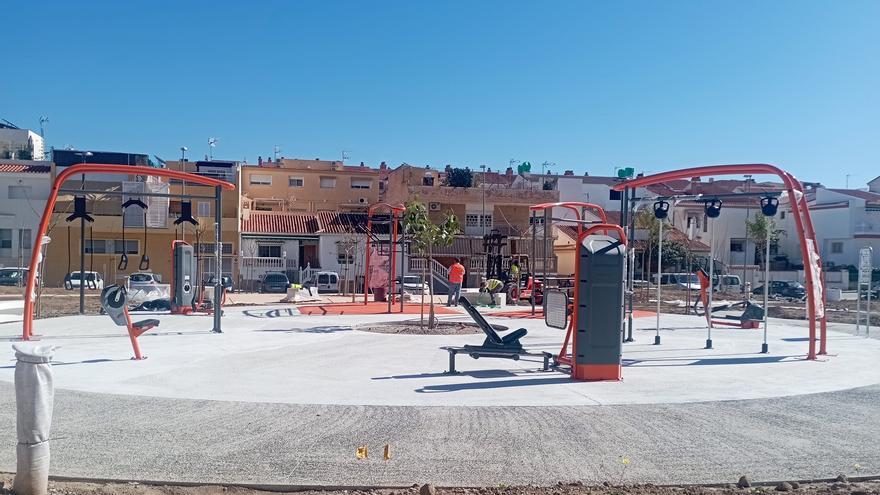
<point x="21" y="213"/>
<point x="17" y="139"/>
<point x="836" y="225"/>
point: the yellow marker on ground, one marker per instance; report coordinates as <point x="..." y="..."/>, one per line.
<point x="361" y="452"/>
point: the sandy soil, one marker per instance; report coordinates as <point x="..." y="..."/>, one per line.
<point x="412" y="327"/>
<point x="80" y="488"/>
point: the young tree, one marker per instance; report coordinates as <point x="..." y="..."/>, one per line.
<point x="758" y="227"/>
<point x="424" y="235"/>
<point x="645" y="220"/>
<point x="458" y="177"/>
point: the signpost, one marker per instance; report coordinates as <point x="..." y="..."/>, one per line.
<point x="866" y="268"/>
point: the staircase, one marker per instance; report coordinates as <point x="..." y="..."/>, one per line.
<point x="435" y="269"/>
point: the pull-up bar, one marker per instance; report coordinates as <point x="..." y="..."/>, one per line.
<point x="88" y="168"/>
<point x="708" y="197"/>
<point x="803" y="222"/>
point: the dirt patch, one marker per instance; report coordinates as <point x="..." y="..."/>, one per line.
<point x="81" y="488"/>
<point x="412" y="327"/>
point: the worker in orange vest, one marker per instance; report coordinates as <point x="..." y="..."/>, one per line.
<point x="456" y="277"/>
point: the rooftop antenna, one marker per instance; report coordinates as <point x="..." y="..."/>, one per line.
<point x="212" y="143"/>
<point x="43" y="120"/>
<point x="345" y="155"/>
<point x="547" y="165"/>
<point x="275" y="150"/>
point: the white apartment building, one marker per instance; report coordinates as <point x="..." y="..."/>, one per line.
<point x="845" y="221"/>
<point x="20" y="144"/>
<point x="24" y="189"/>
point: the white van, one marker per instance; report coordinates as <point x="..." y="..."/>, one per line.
<point x="327" y="282"/>
<point x="730" y="283"/>
<point x="93" y="280"/>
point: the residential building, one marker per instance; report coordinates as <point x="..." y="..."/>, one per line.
<point x="25" y="188"/>
<point x="581" y="188"/>
<point x="106" y="239"/>
<point x="308" y="186"/>
<point x="496" y="202"/>
<point x="734" y="249"/>
<point x="845" y="221"/>
<point x="20" y="144"/>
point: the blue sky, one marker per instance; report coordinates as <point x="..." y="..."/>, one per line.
<point x="588" y="85"/>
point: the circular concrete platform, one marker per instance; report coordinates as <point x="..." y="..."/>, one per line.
<point x="278" y="355"/>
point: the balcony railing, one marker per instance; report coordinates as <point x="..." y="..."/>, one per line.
<point x="515" y="195"/>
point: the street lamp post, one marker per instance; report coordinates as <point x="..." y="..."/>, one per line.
<point x="483" y="187"/>
<point x="82" y="244"/>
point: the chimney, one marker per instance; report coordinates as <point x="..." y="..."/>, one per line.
<point x="569" y="172"/>
<point x="362" y="164"/>
<point x="383" y="166"/>
<point x="509" y="171"/>
<point x="259" y="161"/>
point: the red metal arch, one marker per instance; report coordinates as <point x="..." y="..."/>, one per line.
<point x="88" y="168"/>
<point x="803" y="222"/>
<point x="576" y="207"/>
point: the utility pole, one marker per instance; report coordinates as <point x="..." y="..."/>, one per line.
<point x="45" y="120"/>
<point x="746" y="247"/>
<point x="483" y="187"/>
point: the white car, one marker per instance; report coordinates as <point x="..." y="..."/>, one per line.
<point x="144" y="278"/>
<point x="94" y="281"/>
<point x="412" y="284"/>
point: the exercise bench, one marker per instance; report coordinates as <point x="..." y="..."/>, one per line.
<point x="114" y="300"/>
<point x="495" y="345"/>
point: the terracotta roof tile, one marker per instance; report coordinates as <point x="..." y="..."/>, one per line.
<point x="856" y="193"/>
<point x="11" y="168"/>
<point x="264" y="222"/>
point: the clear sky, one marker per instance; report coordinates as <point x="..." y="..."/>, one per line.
<point x="588" y="85"/>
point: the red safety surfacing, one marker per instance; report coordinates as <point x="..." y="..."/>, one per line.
<point x="539" y="314"/>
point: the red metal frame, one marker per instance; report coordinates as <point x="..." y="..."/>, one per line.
<point x="88" y="168"/>
<point x="134" y="333"/>
<point x="803" y="223"/>
<point x="577" y="207"/>
<point x="396" y="211"/>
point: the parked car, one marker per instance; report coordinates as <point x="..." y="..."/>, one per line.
<point x="13" y="276"/>
<point x="730" y="283"/>
<point x="275" y="282"/>
<point x="144" y="278"/>
<point x="794" y="290"/>
<point x="94" y="280"/>
<point x="225" y="281"/>
<point x="413" y="284"/>
<point x="328" y="282"/>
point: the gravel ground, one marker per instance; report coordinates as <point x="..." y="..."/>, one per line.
<point x="135" y="488"/>
<point x="147" y="438"/>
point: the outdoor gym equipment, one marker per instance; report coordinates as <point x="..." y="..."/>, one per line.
<point x="91" y="168"/>
<point x="123" y="260"/>
<point x="806" y="233"/>
<point x="114" y="301"/>
<point x="579" y="209"/>
<point x="495" y="346"/>
<point x="182" y="281"/>
<point x="598" y="308"/>
<point x="389" y="247"/>
<point x="751" y="316"/>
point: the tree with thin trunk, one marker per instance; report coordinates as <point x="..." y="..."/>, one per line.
<point x="758" y="227"/>
<point x="424" y="235"/>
